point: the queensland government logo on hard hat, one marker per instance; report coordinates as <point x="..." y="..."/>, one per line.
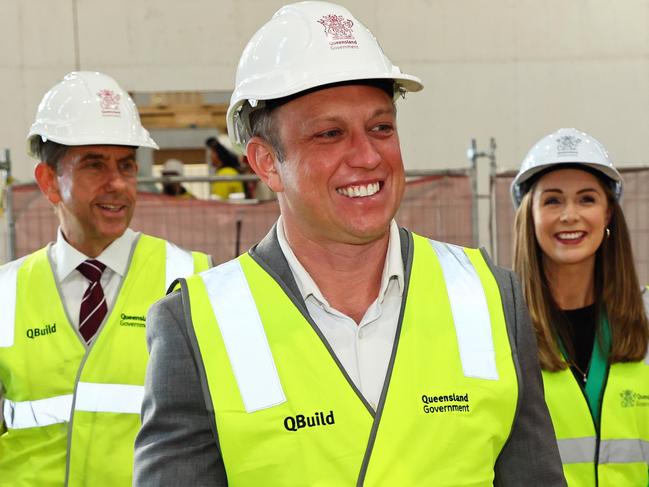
<point x="109" y="103"/>
<point x="339" y="31"/>
<point x="567" y="145"/>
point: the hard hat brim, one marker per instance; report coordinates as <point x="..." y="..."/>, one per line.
<point x="522" y="182"/>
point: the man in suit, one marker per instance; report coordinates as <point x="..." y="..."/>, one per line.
<point x="72" y="326"/>
<point x="342" y="349"/>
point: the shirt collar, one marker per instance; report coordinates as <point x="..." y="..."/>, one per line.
<point x="115" y="256"/>
<point x="394" y="262"/>
<point x="393" y="267"/>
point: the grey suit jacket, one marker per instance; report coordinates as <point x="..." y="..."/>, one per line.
<point x="178" y="444"/>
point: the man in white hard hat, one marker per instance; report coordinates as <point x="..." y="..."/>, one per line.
<point x="175" y="167"/>
<point x="341" y="350"/>
<point x="72" y="342"/>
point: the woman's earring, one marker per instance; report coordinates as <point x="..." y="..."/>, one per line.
<point x="608" y="232"/>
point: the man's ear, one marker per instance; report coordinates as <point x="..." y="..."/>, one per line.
<point x="263" y="160"/>
<point x="47" y="182"/>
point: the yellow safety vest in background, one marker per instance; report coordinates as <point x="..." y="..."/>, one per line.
<point x="223" y="189"/>
<point x="46" y="371"/>
<point x="287" y="415"/>
<point x="620" y="457"/>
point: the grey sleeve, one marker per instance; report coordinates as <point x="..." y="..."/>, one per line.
<point x="530" y="456"/>
<point x="176" y="444"/>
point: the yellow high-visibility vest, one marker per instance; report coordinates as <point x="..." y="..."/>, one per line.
<point x="51" y="381"/>
<point x="620" y="456"/>
<point x="287" y="415"/>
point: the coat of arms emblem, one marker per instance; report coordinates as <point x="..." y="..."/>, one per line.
<point x="567" y="145"/>
<point x="628" y="398"/>
<point x="109" y="102"/>
<point x="339" y="31"/>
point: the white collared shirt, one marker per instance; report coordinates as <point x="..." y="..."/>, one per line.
<point x="72" y="284"/>
<point x="363" y="349"/>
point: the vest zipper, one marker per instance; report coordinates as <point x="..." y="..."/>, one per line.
<point x="598" y="428"/>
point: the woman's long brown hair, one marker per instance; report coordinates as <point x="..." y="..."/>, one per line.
<point x="616" y="288"/>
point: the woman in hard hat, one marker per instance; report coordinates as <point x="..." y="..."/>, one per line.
<point x="573" y="253"/>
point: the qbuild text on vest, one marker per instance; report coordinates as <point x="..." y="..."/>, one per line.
<point x="446" y="403"/>
<point x="39" y="332"/>
<point x="294" y="423"/>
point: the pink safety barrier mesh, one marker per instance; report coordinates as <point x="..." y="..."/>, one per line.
<point x="435" y="206"/>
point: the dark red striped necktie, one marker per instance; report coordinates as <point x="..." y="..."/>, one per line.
<point x="93" y="305"/>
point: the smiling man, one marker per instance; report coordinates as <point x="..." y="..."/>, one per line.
<point x="341" y="350"/>
<point x="72" y="326"/>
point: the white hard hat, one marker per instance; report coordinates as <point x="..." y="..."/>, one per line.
<point x="88" y="108"/>
<point x="565" y="146"/>
<point x="306" y="45"/>
<point x="173" y="165"/>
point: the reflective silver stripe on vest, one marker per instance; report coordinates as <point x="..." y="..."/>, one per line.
<point x="179" y="263"/>
<point x="470" y="312"/>
<point x="34" y="414"/>
<point x="577" y="450"/>
<point x="108" y="398"/>
<point x="244" y="337"/>
<point x="8" y="289"/>
<point x="624" y="451"/>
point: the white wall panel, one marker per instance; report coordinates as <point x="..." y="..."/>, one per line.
<point x="513" y="69"/>
<point x="10" y="47"/>
<point x="608" y="99"/>
<point x="448" y="30"/>
<point x="460" y="101"/>
<point x="46" y="33"/>
<point x="585" y="29"/>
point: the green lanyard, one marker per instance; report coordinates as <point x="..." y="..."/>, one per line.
<point x="597" y="368"/>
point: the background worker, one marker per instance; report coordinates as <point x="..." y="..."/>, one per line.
<point x="175" y="167"/>
<point x="341" y="350"/>
<point x="225" y="163"/>
<point x="72" y="327"/>
<point x="573" y="253"/>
